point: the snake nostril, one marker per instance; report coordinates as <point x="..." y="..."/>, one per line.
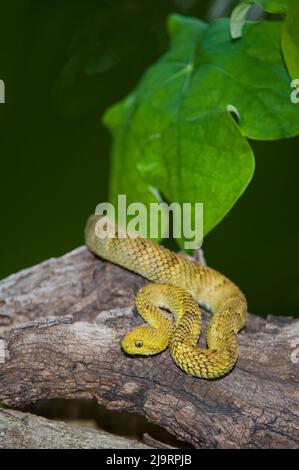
<point x="139" y="344"/>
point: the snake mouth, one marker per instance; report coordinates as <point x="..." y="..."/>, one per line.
<point x="139" y="354"/>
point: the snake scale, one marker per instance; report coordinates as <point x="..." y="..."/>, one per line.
<point x="180" y="286"/>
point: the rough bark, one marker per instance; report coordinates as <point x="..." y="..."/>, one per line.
<point x="26" y="431"/>
<point x="63" y="321"/>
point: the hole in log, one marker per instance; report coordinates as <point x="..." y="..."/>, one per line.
<point x="88" y="413"/>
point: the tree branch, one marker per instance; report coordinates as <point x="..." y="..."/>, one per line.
<point x="63" y="321"/>
<point x="27" y="431"/>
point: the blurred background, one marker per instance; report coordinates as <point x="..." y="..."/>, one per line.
<point x="63" y="63"/>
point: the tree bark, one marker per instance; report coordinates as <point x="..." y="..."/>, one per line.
<point x="62" y="322"/>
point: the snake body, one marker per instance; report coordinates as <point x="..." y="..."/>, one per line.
<point x="180" y="286"/>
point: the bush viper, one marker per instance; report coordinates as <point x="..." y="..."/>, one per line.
<point x="180" y="286"/>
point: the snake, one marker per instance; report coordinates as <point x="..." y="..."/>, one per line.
<point x="181" y="287"/>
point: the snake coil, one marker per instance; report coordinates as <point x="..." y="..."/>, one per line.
<point x="180" y="286"/>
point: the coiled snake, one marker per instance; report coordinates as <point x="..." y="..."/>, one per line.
<point x="181" y="285"/>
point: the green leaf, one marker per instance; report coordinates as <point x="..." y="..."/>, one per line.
<point x="290" y="30"/>
<point x="176" y="133"/>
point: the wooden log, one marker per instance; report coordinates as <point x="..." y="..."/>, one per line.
<point x="62" y="322"/>
<point x="20" y="430"/>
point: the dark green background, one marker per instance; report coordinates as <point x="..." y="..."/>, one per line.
<point x="63" y="63"/>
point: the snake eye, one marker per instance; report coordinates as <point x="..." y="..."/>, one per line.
<point x="139" y="344"/>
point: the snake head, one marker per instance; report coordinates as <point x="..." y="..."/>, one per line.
<point x="144" y="340"/>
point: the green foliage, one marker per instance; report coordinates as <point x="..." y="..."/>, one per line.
<point x="289" y="33"/>
<point x="177" y="134"/>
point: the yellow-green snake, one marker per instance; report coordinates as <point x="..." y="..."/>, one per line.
<point x="181" y="285"/>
